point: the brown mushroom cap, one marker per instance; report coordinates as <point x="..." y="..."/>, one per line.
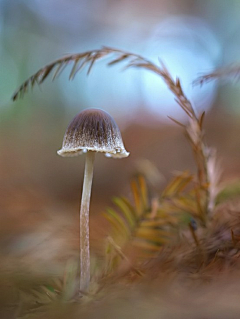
<point x="93" y="130"/>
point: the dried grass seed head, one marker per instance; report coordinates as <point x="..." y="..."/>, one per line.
<point x="93" y="130"/>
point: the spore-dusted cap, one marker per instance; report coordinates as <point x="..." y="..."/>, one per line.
<point x="93" y="130"/>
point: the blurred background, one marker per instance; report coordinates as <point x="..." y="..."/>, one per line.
<point x="39" y="190"/>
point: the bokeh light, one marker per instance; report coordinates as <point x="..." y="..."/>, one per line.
<point x="187" y="46"/>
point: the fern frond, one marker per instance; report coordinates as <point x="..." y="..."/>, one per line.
<point x="89" y="58"/>
<point x="79" y="61"/>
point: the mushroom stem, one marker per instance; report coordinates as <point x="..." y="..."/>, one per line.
<point x="84" y="222"/>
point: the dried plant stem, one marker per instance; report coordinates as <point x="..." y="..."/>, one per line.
<point x="123" y="256"/>
<point x="207" y="173"/>
<point x="84" y="223"/>
<point x="198" y="245"/>
<point x="231" y="71"/>
<point x="194" y="133"/>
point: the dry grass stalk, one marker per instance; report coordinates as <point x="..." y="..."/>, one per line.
<point x="123" y="256"/>
<point x="232" y="71"/>
<point x="207" y="175"/>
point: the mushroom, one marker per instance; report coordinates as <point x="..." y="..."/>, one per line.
<point x="91" y="131"/>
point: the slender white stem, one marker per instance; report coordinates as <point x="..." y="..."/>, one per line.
<point x="84" y="222"/>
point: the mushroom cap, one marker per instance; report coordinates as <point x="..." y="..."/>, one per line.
<point x="93" y="130"/>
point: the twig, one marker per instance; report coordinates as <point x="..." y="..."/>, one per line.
<point x="199" y="246"/>
<point x="194" y="235"/>
<point x="123" y="256"/>
<point x="232" y="71"/>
